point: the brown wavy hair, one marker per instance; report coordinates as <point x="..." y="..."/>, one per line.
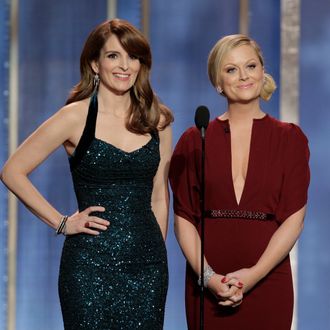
<point x="226" y="44"/>
<point x="146" y="114"/>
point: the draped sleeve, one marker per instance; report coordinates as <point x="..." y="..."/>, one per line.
<point x="184" y="178"/>
<point x="296" y="174"/>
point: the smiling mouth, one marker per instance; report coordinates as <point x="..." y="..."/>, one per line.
<point x="245" y="86"/>
<point x="121" y="75"/>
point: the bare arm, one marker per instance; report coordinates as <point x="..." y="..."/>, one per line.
<point x="278" y="248"/>
<point x="33" y="151"/>
<point x="190" y="244"/>
<point x="160" y="194"/>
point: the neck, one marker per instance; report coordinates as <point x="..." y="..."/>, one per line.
<point x="240" y="112"/>
<point x="117" y="104"/>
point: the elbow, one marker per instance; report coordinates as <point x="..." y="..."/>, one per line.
<point x="176" y="227"/>
<point x="181" y="227"/>
<point x="301" y="223"/>
<point x="7" y="176"/>
<point x="3" y="175"/>
<point x="301" y="227"/>
<point x="4" y="172"/>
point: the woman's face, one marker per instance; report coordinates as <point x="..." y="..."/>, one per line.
<point x="241" y="74"/>
<point x="117" y="69"/>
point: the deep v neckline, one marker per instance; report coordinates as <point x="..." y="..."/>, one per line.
<point x="238" y="201"/>
<point x="226" y="124"/>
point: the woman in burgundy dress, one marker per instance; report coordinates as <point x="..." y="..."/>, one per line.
<point x="256" y="181"/>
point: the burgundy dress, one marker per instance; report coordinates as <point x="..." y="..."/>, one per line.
<point x="236" y="235"/>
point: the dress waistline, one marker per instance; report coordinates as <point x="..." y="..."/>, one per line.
<point x="239" y="214"/>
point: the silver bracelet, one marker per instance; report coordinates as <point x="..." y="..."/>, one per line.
<point x="208" y="273"/>
<point x="61" y="227"/>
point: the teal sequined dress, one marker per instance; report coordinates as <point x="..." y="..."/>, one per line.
<point x="118" y="279"/>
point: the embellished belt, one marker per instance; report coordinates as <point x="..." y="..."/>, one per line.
<point x="239" y="214"/>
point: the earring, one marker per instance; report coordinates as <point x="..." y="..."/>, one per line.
<point x="219" y="90"/>
<point x="96" y="81"/>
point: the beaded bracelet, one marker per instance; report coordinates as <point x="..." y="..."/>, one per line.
<point x="61" y="227"/>
<point x="208" y="273"/>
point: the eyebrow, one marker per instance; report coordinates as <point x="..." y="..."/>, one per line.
<point x="111" y="51"/>
<point x="251" y="59"/>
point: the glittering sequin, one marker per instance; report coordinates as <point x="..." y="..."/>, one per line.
<point x="117" y="280"/>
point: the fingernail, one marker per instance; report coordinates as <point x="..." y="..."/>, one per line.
<point x="224" y="280"/>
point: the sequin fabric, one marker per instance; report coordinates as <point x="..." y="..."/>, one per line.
<point x="119" y="279"/>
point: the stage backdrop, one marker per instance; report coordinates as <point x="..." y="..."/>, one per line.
<point x="4" y="80"/>
<point x="50" y="38"/>
<point x="314" y="247"/>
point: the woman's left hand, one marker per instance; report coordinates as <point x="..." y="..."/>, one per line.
<point x="248" y="276"/>
<point x="227" y="290"/>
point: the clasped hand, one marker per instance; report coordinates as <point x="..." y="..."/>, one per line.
<point x="83" y="222"/>
<point x="229" y="289"/>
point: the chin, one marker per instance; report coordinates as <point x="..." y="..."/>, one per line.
<point x="248" y="96"/>
<point x="120" y="90"/>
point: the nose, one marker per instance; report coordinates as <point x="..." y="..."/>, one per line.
<point x="124" y="63"/>
<point x="242" y="74"/>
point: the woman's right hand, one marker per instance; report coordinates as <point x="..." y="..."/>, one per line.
<point x="229" y="291"/>
<point x="82" y="222"/>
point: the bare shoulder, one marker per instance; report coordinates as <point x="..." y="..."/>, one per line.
<point x="165" y="134"/>
<point x="165" y="118"/>
<point x="74" y="113"/>
<point x="66" y="124"/>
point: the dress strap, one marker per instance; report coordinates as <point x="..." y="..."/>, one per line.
<point x="239" y="214"/>
<point x="155" y="135"/>
<point x="88" y="134"/>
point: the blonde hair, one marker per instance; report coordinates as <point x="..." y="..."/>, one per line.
<point x="221" y="48"/>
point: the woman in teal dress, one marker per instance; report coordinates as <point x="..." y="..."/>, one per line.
<point x="113" y="272"/>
